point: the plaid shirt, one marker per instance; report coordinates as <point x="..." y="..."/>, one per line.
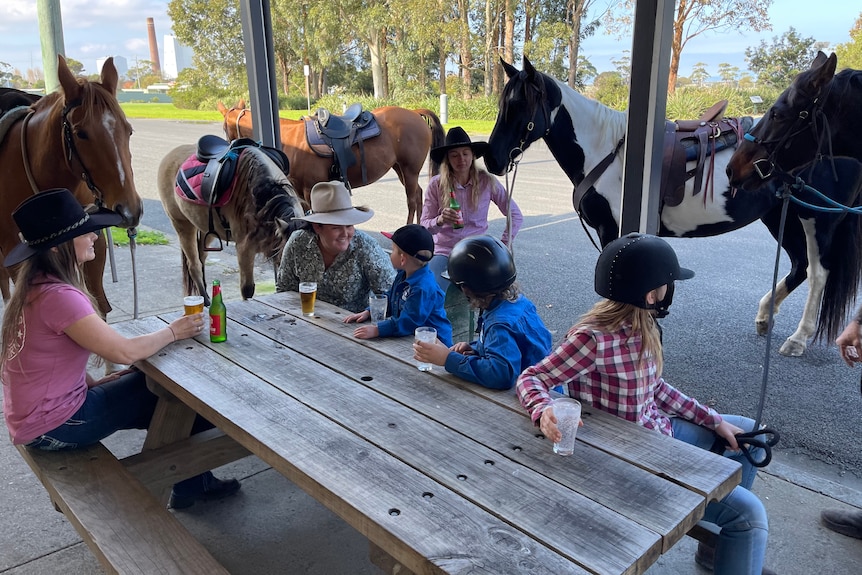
<point x="601" y="368"/>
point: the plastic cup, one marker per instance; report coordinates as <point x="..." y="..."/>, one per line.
<point x="307" y="295"/>
<point x="568" y="414"/>
<point x="193" y="304"/>
<point x="429" y="335"/>
<point x="377" y="304"/>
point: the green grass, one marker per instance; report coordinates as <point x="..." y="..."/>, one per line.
<point x="158" y="111"/>
<point x="144" y="238"/>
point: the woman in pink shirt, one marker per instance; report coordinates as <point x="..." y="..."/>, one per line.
<point x="474" y="189"/>
<point x="50" y="329"/>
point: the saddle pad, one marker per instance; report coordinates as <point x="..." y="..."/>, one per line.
<point x="8" y="119"/>
<point x="189" y="181"/>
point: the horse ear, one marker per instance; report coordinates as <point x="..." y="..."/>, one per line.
<point x="528" y="67"/>
<point x="71" y="88"/>
<point x="508" y="68"/>
<point x="221" y="108"/>
<point x="109" y="76"/>
<point x="822" y="70"/>
<point x="241" y="104"/>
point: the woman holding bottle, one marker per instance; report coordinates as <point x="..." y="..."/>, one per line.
<point x="457" y="200"/>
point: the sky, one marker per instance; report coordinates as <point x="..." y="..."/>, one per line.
<point x="96" y="28"/>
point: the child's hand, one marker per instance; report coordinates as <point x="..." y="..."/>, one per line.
<point x="548" y="425"/>
<point x="426" y="352"/>
<point x="463" y="348"/>
<point x="728" y="431"/>
<point x="358" y="317"/>
<point x="366" y="332"/>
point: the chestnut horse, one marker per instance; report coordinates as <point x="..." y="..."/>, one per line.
<point x="406" y="136"/>
<point x="75" y="138"/>
<point x="816" y="119"/>
<point x="258" y="215"/>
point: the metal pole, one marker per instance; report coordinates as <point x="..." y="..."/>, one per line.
<point x="260" y="58"/>
<point x="51" y="38"/>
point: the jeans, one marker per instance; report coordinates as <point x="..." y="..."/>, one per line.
<point x="741" y="544"/>
<point x="438" y="265"/>
<point x="125" y="403"/>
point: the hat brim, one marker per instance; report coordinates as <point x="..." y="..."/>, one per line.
<point x="685" y="274"/>
<point x="102" y="219"/>
<point x="439" y="154"/>
<point x="349" y="217"/>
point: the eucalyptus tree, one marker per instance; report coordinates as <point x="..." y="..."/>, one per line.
<point x="850" y="53"/>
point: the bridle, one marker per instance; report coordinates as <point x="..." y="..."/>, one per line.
<point x="236" y="121"/>
<point x="811" y="117"/>
<point x="540" y="103"/>
<point x="70" y="153"/>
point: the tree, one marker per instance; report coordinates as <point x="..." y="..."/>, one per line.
<point x="850" y="53"/>
<point x="694" y="17"/>
<point x="777" y="64"/>
<point x="728" y="73"/>
<point x="5" y="74"/>
<point x="699" y="73"/>
<point x="77" y="68"/>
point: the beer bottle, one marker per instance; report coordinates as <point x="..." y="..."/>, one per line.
<point x="218" y="315"/>
<point x="453" y="204"/>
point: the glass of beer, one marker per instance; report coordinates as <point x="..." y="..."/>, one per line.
<point x="193" y="304"/>
<point x="307" y="295"/>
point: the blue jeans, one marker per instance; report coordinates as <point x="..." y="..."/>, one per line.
<point x="741" y="516"/>
<point x="125" y="403"/>
<point x="438" y="265"/>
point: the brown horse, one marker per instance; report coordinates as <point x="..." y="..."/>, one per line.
<point x="405" y="138"/>
<point x="258" y="213"/>
<point x="75" y="138"/>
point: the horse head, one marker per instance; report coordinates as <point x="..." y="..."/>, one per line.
<point x="524" y="116"/>
<point x="274" y="203"/>
<point x="237" y="121"/>
<point x="791" y="132"/>
<point x="95" y="135"/>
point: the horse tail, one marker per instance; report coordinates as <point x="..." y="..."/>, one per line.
<point x="438" y="136"/>
<point x="845" y="274"/>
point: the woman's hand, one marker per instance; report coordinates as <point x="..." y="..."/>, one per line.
<point x="111" y="376"/>
<point x="850" y="344"/>
<point x="187" y="326"/>
<point x="728" y="432"/>
<point x="447" y="217"/>
<point x="428" y="352"/>
<point x="358" y="317"/>
<point x="366" y="332"/>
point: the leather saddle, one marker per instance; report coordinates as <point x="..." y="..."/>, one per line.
<point x="695" y="141"/>
<point x="332" y="136"/>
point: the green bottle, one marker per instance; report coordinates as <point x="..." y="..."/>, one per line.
<point x="218" y="315"/>
<point x="453" y="203"/>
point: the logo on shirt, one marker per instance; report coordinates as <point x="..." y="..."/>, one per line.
<point x="18" y="344"/>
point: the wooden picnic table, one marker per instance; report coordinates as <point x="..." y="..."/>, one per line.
<point x="441" y="475"/>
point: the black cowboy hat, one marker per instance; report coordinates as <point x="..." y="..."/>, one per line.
<point x="457" y="138"/>
<point x="52" y="217"/>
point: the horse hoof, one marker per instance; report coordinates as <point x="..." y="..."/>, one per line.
<point x="792" y="349"/>
<point x="762" y="327"/>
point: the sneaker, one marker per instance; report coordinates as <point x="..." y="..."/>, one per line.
<point x="844" y="522"/>
<point x="203" y="487"/>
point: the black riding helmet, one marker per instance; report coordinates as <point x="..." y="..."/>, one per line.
<point x="633" y="265"/>
<point x="483" y="264"/>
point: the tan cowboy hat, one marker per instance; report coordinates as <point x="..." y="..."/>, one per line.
<point x="330" y="204"/>
<point x="458" y="138"/>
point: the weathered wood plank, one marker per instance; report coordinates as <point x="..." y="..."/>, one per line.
<point x="706" y="473"/>
<point x="395" y="506"/>
<point x="120" y="521"/>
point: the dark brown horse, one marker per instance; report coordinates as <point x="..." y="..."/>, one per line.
<point x="75" y="138"/>
<point x="815" y="120"/>
<point x="258" y="216"/>
<point x="405" y="138"/>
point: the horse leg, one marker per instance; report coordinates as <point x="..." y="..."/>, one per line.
<point x="192" y="260"/>
<point x="245" y="258"/>
<point x="94" y="271"/>
<point x="795" y="345"/>
<point x="413" y="191"/>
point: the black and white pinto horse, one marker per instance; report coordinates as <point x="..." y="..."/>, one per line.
<point x="816" y="122"/>
<point x="581" y="132"/>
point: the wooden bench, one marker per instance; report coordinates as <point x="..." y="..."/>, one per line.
<point x="125" y="526"/>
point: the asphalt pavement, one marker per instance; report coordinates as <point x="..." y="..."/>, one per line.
<point x="712" y="353"/>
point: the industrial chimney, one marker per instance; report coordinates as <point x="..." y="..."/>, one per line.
<point x="154" y="47"/>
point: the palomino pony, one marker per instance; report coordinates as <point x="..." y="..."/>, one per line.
<point x="75" y="138"/>
<point x="406" y="136"/>
<point x="257" y="214"/>
<point x="817" y="118"/>
<point x="580" y="132"/>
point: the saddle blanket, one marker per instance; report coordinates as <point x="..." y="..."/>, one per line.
<point x="189" y="180"/>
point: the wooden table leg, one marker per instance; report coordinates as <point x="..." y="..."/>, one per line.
<point x="385" y="561"/>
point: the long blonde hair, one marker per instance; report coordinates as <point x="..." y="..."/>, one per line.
<point x="60" y="264"/>
<point x="478" y="177"/>
<point x="609" y="315"/>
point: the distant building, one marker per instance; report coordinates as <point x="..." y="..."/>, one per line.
<point x="177" y="58"/>
<point x="120" y="64"/>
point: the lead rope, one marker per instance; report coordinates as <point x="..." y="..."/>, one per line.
<point x="514" y="159"/>
<point x="133" y="233"/>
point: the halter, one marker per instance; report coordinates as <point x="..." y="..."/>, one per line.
<point x="239" y="116"/>
<point x="807" y="118"/>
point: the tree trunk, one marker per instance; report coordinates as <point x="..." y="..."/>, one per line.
<point x="377" y="75"/>
<point x="489" y="38"/>
<point x="442" y="65"/>
<point x="676" y="46"/>
<point x="509" y="33"/>
<point x="577" y="13"/>
<point x="465" y="50"/>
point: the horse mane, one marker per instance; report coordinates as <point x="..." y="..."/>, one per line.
<point x="534" y="98"/>
<point x="263" y="195"/>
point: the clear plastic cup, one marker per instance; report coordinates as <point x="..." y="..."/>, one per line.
<point x="426" y="334"/>
<point x="568" y="414"/>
